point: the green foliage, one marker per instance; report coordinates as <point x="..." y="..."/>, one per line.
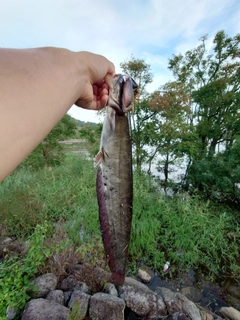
<point x="212" y="79"/>
<point x="186" y="231"/>
<point x="170" y="126"/>
<point x="49" y="152"/>
<point x="194" y="235"/>
<point x="146" y="224"/>
<point x="140" y="71"/>
<point x="218" y="178"/>
<point x="92" y="134"/>
<point x="16" y="272"/>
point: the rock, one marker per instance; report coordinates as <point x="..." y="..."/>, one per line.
<point x="56" y="296"/>
<point x="81" y="286"/>
<point x="6" y="241"/>
<point x="140" y="299"/>
<point x="110" y="289"/>
<point x="69" y="283"/>
<point x="44" y="284"/>
<point x="145" y="274"/>
<point x="191" y="293"/>
<point x="177" y="302"/>
<point x="178" y="316"/>
<point x="67" y="297"/>
<point x="231" y="313"/>
<point x="39" y="309"/>
<point x="9" y="246"/>
<point x="104" y="306"/>
<point x="79" y="303"/>
<point x="11" y="312"/>
<point x="206" y="314"/>
<point x="232" y="287"/>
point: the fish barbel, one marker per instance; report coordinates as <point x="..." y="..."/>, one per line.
<point x="114" y="177"/>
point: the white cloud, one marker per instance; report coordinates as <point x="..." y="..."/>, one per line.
<point x="148" y="29"/>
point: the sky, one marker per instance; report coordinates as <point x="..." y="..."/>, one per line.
<point x="153" y="30"/>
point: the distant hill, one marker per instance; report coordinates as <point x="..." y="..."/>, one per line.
<point x="81" y="124"/>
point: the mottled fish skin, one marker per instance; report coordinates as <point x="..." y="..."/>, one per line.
<point x="114" y="180"/>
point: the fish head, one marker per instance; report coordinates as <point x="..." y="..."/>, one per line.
<point x="121" y="94"/>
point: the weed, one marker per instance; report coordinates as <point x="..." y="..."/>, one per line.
<point x="15" y="273"/>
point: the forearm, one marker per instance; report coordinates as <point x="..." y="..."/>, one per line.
<point x="37" y="87"/>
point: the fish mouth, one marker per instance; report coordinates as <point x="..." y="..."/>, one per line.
<point x="122" y="92"/>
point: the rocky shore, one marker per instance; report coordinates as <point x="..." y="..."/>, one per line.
<point x="76" y="297"/>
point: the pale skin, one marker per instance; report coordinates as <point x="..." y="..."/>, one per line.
<point x="37" y="88"/>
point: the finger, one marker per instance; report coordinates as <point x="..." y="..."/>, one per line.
<point x="108" y="79"/>
<point x="95" y="89"/>
<point x="99" y="84"/>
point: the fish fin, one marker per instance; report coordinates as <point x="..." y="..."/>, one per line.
<point x="100" y="157"/>
<point x="104" y="152"/>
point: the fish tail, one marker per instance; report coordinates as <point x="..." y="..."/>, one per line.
<point x="118" y="277"/>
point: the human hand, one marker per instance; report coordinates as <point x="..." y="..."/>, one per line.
<point x="99" y="72"/>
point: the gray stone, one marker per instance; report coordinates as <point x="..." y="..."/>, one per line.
<point x="178" y="316"/>
<point x="191" y="293"/>
<point x="111" y="289"/>
<point x="230" y="312"/>
<point x="69" y="283"/>
<point x="44" y="284"/>
<point x="79" y="303"/>
<point x="67" y="297"/>
<point x="56" y="296"/>
<point x="81" y="286"/>
<point x="176" y="302"/>
<point x="11" y="312"/>
<point x="140" y="299"/>
<point x="39" y="309"/>
<point x="104" y="306"/>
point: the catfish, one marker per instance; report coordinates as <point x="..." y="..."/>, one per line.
<point x="114" y="176"/>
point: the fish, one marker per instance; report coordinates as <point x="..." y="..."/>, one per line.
<point x="114" y="183"/>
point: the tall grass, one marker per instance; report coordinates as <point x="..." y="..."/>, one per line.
<point x="66" y="192"/>
<point x="185" y="230"/>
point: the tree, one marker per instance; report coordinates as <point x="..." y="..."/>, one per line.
<point x="139" y="70"/>
<point x="50" y="152"/>
<point x="171" y="125"/>
<point x="213" y="82"/>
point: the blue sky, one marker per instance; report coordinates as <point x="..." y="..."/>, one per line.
<point x="152" y="30"/>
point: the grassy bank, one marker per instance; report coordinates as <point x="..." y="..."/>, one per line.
<point x="186" y="231"/>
